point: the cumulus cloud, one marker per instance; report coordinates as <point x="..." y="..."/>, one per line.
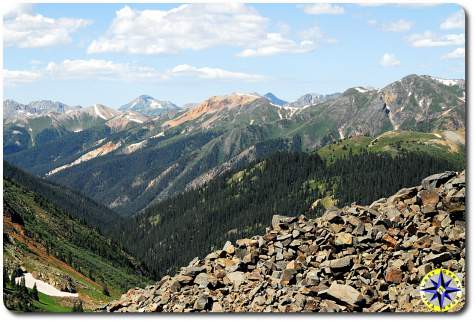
<point x="192" y="26"/>
<point x="400" y="25"/>
<point x="458" y="53"/>
<point x="195" y="27"/>
<point x="28" y="30"/>
<point x="12" y="8"/>
<point x="275" y="43"/>
<point x="13" y="77"/>
<point x="211" y="73"/>
<point x="98" y="69"/>
<point x="428" y="39"/>
<point x="323" y="9"/>
<point x="454" y="21"/>
<point x="389" y="60"/>
<point x="405" y="4"/>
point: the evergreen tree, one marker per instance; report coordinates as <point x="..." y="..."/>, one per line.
<point x="22" y="285"/>
<point x="77" y="307"/>
<point x="105" y="290"/>
<point x="6" y="278"/>
<point x="34" y="293"/>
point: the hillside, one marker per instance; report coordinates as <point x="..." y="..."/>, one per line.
<point x="165" y="155"/>
<point x="69" y="201"/>
<point x="241" y="202"/>
<point x="448" y="145"/>
<point x="42" y="239"/>
<point x="357" y="258"/>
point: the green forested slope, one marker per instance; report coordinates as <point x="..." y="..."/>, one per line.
<point x="82" y="208"/>
<point x="46" y="241"/>
<point x="241" y="203"/>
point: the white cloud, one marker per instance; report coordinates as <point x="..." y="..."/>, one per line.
<point x="458" y="53"/>
<point x="192" y="26"/>
<point x="454" y="21"/>
<point x="197" y="27"/>
<point x="400" y="25"/>
<point x="100" y="69"/>
<point x="27" y="30"/>
<point x="211" y="73"/>
<point x="428" y="39"/>
<point x="13" y="77"/>
<point x="276" y="43"/>
<point x="389" y="60"/>
<point x="13" y="8"/>
<point x="371" y="4"/>
<point x="405" y="4"/>
<point x="323" y="9"/>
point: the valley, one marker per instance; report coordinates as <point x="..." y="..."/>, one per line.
<point x="99" y="200"/>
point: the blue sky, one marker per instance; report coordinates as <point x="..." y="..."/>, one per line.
<point x="111" y="53"/>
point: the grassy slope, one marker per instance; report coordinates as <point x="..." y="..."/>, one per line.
<point x="437" y="144"/>
<point x="68" y="200"/>
<point x="51" y="241"/>
<point x="50" y="304"/>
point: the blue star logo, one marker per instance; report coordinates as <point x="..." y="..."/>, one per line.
<point x="441" y="290"/>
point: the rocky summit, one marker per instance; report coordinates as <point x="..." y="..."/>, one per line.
<point x="358" y="258"/>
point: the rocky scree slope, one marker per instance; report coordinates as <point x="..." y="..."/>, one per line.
<point x="358" y="258"/>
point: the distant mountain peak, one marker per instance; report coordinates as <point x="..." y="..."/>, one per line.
<point x="146" y="97"/>
<point x="216" y="104"/>
<point x="15" y="110"/>
<point x="274" y="99"/>
<point x="310" y="99"/>
<point x="147" y="105"/>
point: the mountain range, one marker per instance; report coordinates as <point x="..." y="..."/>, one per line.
<point x="98" y="200"/>
<point x="161" y="156"/>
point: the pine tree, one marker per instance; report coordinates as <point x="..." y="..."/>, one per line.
<point x="6" y="278"/>
<point x="105" y="290"/>
<point x="34" y="293"/>
<point x="77" y="307"/>
<point x="22" y="287"/>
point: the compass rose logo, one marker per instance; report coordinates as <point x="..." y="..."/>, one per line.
<point x="441" y="290"/>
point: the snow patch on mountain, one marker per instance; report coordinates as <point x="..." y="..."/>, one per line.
<point x="150" y="106"/>
<point x="97" y="110"/>
<point x="43" y="287"/>
<point x="448" y="82"/>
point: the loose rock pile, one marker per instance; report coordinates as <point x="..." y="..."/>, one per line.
<point x="358" y="258"/>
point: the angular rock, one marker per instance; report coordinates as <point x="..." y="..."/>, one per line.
<point x="228" y="248"/>
<point x="436" y="180"/>
<point x="344" y="293"/>
<point x="393" y="275"/>
<point x="343" y="239"/>
<point x="428" y="198"/>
